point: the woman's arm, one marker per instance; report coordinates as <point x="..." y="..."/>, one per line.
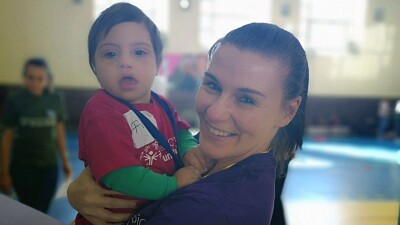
<point x="90" y="200"/>
<point x="5" y="179"/>
<point x="62" y="146"/>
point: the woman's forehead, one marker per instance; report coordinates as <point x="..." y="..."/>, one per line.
<point x="246" y="67"/>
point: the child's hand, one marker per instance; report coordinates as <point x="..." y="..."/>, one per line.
<point x="198" y="160"/>
<point x="187" y="175"/>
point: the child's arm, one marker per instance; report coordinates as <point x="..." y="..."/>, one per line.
<point x="185" y="142"/>
<point x="141" y="182"/>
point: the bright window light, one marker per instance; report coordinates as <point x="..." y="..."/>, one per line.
<point x="217" y="17"/>
<point x="333" y="27"/>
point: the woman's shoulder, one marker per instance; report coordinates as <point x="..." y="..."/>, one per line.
<point x="227" y="197"/>
<point x="195" y="207"/>
<point x="252" y="177"/>
<point x="247" y="189"/>
<point x="255" y="170"/>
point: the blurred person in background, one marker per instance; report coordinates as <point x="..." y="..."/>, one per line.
<point x="397" y="119"/>
<point x="34" y="131"/>
<point x="183" y="85"/>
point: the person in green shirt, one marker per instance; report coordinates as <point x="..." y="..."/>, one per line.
<point x="34" y="132"/>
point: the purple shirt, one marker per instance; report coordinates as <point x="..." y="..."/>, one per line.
<point x="242" y="194"/>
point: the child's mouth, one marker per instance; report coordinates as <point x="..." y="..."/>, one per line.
<point x="127" y="83"/>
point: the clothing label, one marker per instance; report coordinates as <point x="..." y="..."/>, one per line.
<point x="140" y="135"/>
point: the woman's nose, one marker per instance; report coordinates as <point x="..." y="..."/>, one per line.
<point x="219" y="110"/>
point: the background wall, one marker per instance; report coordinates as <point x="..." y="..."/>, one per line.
<point x="54" y="29"/>
<point x="57" y="30"/>
<point x="183" y="36"/>
<point x="372" y="71"/>
<point x="346" y="86"/>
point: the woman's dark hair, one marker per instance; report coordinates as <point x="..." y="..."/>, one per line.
<point x="272" y="41"/>
<point x="39" y="62"/>
<point x="116" y="14"/>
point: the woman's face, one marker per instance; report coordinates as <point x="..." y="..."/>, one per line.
<point x="240" y="104"/>
<point x="36" y="79"/>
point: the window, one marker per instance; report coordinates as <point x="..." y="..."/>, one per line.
<point x="217" y="17"/>
<point x="333" y="27"/>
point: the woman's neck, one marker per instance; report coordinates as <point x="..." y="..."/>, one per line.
<point x="223" y="164"/>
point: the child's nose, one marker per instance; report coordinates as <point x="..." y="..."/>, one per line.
<point x="126" y="61"/>
<point x="125" y="65"/>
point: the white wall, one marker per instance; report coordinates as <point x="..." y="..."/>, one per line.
<point x="57" y="30"/>
<point x="54" y="29"/>
<point x="373" y="72"/>
<point x="183" y="29"/>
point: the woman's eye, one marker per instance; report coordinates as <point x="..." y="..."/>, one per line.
<point x="110" y="54"/>
<point x="247" y="100"/>
<point x="212" y="86"/>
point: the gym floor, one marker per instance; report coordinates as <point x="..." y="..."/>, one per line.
<point x="332" y="181"/>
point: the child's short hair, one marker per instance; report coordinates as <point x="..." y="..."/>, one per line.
<point x="119" y="13"/>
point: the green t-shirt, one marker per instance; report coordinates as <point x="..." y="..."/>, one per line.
<point x="34" y="120"/>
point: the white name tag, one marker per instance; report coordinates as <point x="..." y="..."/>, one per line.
<point x="140" y="135"/>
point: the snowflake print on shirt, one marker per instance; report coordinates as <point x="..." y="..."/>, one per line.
<point x="150" y="154"/>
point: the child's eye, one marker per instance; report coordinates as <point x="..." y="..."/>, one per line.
<point x="110" y="54"/>
<point x="140" y="52"/>
<point x="246" y="100"/>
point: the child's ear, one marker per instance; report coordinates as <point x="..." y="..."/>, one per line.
<point x="290" y="110"/>
<point x="158" y="69"/>
<point x="94" y="69"/>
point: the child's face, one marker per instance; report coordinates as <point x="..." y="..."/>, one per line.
<point x="125" y="62"/>
<point x="36" y="79"/>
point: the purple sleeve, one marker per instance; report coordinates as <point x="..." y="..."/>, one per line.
<point x="240" y="195"/>
<point x="193" y="209"/>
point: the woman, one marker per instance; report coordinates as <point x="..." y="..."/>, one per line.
<point x="251" y="110"/>
<point x="34" y="121"/>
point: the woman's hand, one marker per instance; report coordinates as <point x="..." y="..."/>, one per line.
<point x="90" y="200"/>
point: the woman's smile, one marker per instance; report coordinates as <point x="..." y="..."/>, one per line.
<point x="218" y="132"/>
